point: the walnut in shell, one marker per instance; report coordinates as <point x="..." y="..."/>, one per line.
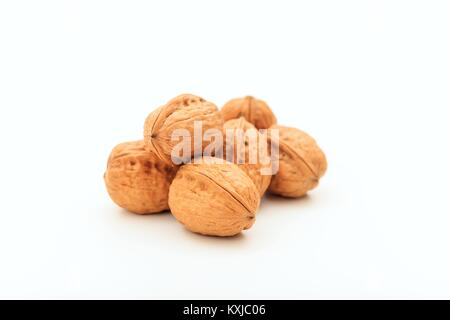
<point x="301" y="163"/>
<point x="179" y="113"/>
<point x="253" y="110"/>
<point x="214" y="198"/>
<point x="137" y="180"/>
<point x="248" y="149"/>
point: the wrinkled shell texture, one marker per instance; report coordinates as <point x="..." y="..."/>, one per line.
<point x="213" y="199"/>
<point x="302" y="163"/>
<point x="253" y="110"/>
<point x="253" y="170"/>
<point x="179" y="113"/>
<point x="136" y="180"/>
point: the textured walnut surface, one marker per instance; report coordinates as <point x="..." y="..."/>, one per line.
<point x="253" y="170"/>
<point x="137" y="180"/>
<point x="301" y="164"/>
<point x="213" y="198"/>
<point x="253" y="110"/>
<point x="179" y="113"/>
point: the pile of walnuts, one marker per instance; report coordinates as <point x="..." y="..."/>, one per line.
<point x="209" y="196"/>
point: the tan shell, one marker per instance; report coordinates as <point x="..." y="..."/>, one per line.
<point x="179" y="113"/>
<point x="253" y="170"/>
<point x="213" y="198"/>
<point x="137" y="180"/>
<point x="253" y="110"/>
<point x="301" y="164"/>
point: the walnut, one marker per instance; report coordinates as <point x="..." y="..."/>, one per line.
<point x="253" y="110"/>
<point x="179" y="113"/>
<point x="213" y="197"/>
<point x="251" y="155"/>
<point x="137" y="180"/>
<point x="301" y="163"/>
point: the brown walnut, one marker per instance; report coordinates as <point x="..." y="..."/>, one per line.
<point x="246" y="149"/>
<point x="179" y="113"/>
<point x="137" y="180"/>
<point x="301" y="163"/>
<point x="255" y="111"/>
<point x="213" y="198"/>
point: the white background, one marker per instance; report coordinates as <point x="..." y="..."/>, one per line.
<point x="370" y="80"/>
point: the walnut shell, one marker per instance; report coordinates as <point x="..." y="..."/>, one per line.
<point x="253" y="170"/>
<point x="253" y="110"/>
<point x="214" y="198"/>
<point x="137" y="180"/>
<point x="301" y="163"/>
<point x="179" y="113"/>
